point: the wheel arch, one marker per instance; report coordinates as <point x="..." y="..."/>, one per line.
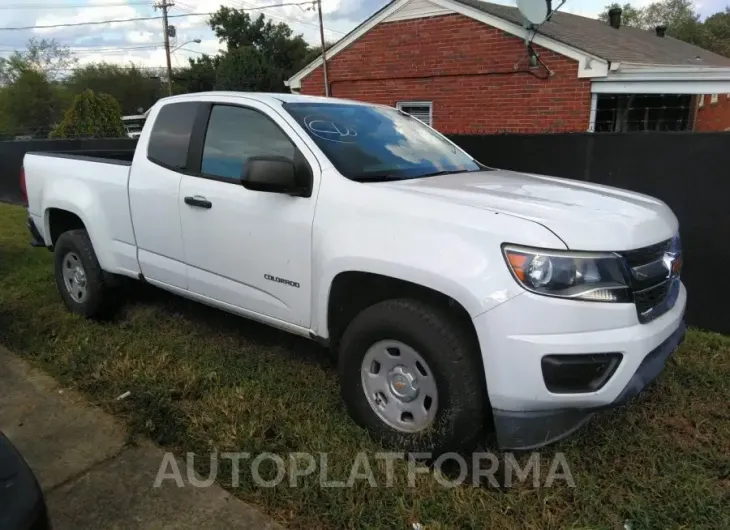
<point x="353" y="291"/>
<point x="61" y="216"/>
<point x="60" y="220"/>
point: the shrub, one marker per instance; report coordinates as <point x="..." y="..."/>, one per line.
<point x="91" y="116"/>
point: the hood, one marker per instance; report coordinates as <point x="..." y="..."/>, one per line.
<point x="585" y="216"/>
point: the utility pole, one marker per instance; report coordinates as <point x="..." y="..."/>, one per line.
<point x="164" y="5"/>
<point x="324" y="51"/>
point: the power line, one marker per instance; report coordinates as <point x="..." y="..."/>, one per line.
<point x="185" y="8"/>
<point x="108" y="48"/>
<point x="294" y="20"/>
<point x="47" y="7"/>
<point x="73" y="24"/>
<point x="119" y="20"/>
<point x="115" y="51"/>
<point x="140" y="68"/>
<point x="100" y="48"/>
<point x="194" y="51"/>
<point x="285" y="4"/>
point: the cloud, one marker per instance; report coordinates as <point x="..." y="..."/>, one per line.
<point x="139" y="37"/>
<point x="140" y="41"/>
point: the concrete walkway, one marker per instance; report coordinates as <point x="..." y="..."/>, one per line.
<point x="91" y="479"/>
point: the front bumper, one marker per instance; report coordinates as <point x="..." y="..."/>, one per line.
<point x="531" y="429"/>
<point x="515" y="336"/>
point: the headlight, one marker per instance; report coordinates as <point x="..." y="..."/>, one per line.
<point x="598" y="277"/>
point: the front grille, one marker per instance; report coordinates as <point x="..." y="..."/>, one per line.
<point x="648" y="298"/>
<point x="642" y="256"/>
<point x="654" y="291"/>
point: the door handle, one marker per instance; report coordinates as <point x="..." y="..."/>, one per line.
<point x="199" y="201"/>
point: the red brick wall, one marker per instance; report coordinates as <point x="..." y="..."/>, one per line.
<point x="435" y="59"/>
<point x="713" y="116"/>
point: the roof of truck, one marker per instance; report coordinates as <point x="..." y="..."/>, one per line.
<point x="267" y="97"/>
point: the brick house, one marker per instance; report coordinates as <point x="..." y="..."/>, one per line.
<point x="467" y="66"/>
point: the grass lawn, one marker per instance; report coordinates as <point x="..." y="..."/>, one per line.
<point x="202" y="380"/>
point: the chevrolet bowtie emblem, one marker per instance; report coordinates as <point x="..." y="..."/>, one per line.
<point x="673" y="264"/>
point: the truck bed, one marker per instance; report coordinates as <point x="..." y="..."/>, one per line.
<point x="97" y="180"/>
<point x="119" y="157"/>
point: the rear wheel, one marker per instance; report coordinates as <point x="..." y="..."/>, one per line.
<point x="411" y="374"/>
<point x="80" y="280"/>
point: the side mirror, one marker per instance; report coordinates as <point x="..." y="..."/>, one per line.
<point x="274" y="174"/>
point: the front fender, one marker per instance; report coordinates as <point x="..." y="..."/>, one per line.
<point x="445" y="246"/>
<point x="472" y="274"/>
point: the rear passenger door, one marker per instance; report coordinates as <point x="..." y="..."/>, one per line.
<point x="154" y="187"/>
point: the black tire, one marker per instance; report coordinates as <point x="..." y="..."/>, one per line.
<point x="101" y="298"/>
<point x="452" y="354"/>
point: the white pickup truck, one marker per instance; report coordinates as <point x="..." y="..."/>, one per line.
<point x="456" y="296"/>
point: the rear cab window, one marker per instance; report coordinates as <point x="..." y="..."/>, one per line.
<point x="170" y="136"/>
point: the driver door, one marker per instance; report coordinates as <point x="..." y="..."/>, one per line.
<point x="244" y="248"/>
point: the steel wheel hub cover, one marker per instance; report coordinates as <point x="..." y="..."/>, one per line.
<point x="399" y="386"/>
<point x="74" y="277"/>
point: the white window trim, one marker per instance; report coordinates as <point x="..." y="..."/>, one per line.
<point x="664" y="80"/>
<point x="400" y="104"/>
<point x="701" y="102"/>
<point x="592" y="115"/>
<point x="714" y="98"/>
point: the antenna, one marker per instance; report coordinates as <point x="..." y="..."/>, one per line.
<point x="534" y="11"/>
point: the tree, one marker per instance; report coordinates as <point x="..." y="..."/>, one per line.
<point x="630" y="15"/>
<point x="91" y="116"/>
<point x="199" y="76"/>
<point x="6" y="127"/>
<point x="44" y="56"/>
<point x="316" y="51"/>
<point x="682" y="22"/>
<point x="276" y="44"/>
<point x="717" y="32"/>
<point x="680" y="18"/>
<point x="248" y="70"/>
<point x="132" y="86"/>
<point x="30" y="105"/>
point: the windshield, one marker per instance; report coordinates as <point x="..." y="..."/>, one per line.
<point x="368" y="143"/>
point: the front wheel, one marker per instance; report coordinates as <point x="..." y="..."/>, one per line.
<point x="411" y="374"/>
<point x="79" y="277"/>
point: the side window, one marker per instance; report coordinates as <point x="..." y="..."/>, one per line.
<point x="170" y="136"/>
<point x="235" y="134"/>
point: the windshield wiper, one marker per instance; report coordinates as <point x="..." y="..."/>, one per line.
<point x="376" y="177"/>
<point x="390" y="177"/>
<point x="452" y="172"/>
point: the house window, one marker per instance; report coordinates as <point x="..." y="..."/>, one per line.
<point x="714" y="98"/>
<point x="701" y="101"/>
<point x="643" y="112"/>
<point x="422" y="110"/>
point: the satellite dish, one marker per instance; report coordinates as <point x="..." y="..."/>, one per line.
<point x="535" y="11"/>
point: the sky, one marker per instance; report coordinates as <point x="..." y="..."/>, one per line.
<point x="140" y="42"/>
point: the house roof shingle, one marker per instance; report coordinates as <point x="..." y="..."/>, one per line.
<point x="626" y="44"/>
